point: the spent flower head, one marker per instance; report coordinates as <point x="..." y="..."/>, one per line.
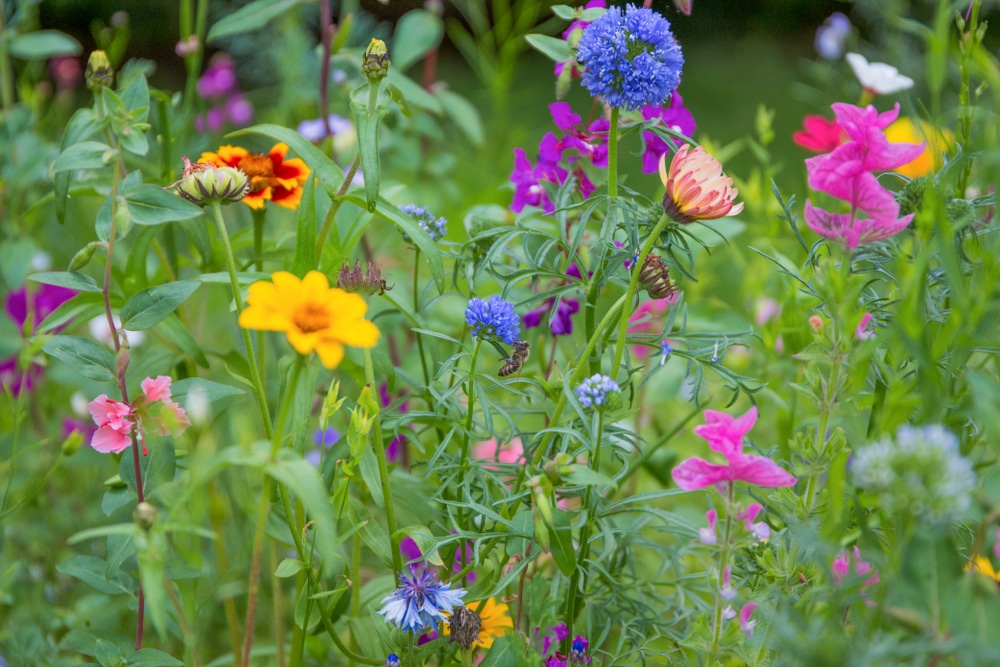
<point x="436" y="228"/>
<point x="632" y="58"/>
<point x="494" y="318"/>
<point x="420" y="602"/>
<point x="920" y="472"/>
<point x="598" y="391"/>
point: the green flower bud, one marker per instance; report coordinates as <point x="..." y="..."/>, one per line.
<point x="202" y="183"/>
<point x="72" y="443"/>
<point x="376" y="61"/>
<point x="99" y="73"/>
<point x="960" y="211"/>
<point x="83" y="257"/>
<point x="144" y="516"/>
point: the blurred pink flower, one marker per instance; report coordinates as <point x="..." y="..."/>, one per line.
<point x="114" y="425"/>
<point x="510" y="452"/>
<point x="707" y="535"/>
<point x="760" y="530"/>
<point x="820" y="135"/>
<point x="649" y="318"/>
<point x="842" y="567"/>
<point x="746" y="625"/>
<point x="724" y="434"/>
<point x="158" y="411"/>
<point x="863" y="332"/>
<point x="153" y="410"/>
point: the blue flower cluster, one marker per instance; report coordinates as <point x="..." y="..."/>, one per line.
<point x="632" y="60"/>
<point x="495" y="317"/>
<point x="435" y="227"/>
<point x="419" y="602"/>
<point x="594" y="390"/>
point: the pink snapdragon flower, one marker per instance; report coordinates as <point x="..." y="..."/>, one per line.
<point x="863" y="332"/>
<point x="707" y="535"/>
<point x="114" y="421"/>
<point x="847" y="173"/>
<point x="724" y="434"/>
<point x="820" y="135"/>
<point x="159" y="412"/>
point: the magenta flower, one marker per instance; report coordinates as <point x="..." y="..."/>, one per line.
<point x="746" y="625"/>
<point x="724" y="434"/>
<point x="394" y="448"/>
<point x="760" y="530"/>
<point x="862" y="332"/>
<point x="847" y="173"/>
<point x="707" y="535"/>
<point x="20" y="305"/>
<point x="561" y="323"/>
<point x="527" y="180"/>
<point x="674" y="116"/>
<point x="842" y="568"/>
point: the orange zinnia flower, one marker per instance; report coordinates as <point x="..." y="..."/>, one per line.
<point x="272" y="177"/>
<point x="697" y="188"/>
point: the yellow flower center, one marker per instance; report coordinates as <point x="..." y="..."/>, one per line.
<point x="259" y="168"/>
<point x="311" y="317"/>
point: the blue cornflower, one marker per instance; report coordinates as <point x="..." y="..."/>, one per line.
<point x="632" y="60"/>
<point x="419" y="602"/>
<point x="392" y="660"/>
<point x="495" y="317"/>
<point x="594" y="391"/>
<point x="435" y="227"/>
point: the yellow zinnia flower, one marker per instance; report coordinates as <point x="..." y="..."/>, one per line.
<point x="937" y="141"/>
<point x="496" y="621"/>
<point x="312" y="315"/>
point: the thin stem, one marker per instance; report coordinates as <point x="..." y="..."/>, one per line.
<point x="189" y="638"/>
<point x="335" y="206"/>
<point x="378" y="444"/>
<point x="613" y="156"/>
<point x="325" y="27"/>
<point x="255" y="375"/>
<point x="470" y="392"/>
<point x="229" y="605"/>
<point x="632" y="287"/>
<point x="279" y="604"/>
<point x="252" y="588"/>
<point x="723" y="562"/>
<point x="416" y="311"/>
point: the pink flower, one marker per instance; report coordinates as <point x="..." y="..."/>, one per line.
<point x="760" y="530"/>
<point x="863" y="332"/>
<point x="746" y="625"/>
<point x="156" y="389"/>
<point x="847" y="173"/>
<point x="707" y="535"/>
<point x="511" y="452"/>
<point x="842" y="567"/>
<point x="727" y="592"/>
<point x="168" y="416"/>
<point x="114" y="424"/>
<point x="820" y="135"/>
<point x="724" y="434"/>
<point x="649" y="318"/>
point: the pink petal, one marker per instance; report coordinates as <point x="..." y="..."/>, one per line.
<point x="695" y="473"/>
<point x="156" y="389"/>
<point x="834" y="226"/>
<point x="761" y="471"/>
<point x="110" y="441"/>
<point x="724" y="432"/>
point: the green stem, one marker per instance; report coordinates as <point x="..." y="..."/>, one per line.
<point x="378" y="444"/>
<point x="470" y="392"/>
<point x="255" y="375"/>
<point x="632" y="288"/>
<point x="335" y="206"/>
<point x="416" y="312"/>
<point x="613" y="155"/>
<point x="723" y="562"/>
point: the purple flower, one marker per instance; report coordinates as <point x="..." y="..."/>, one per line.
<point x="831" y="35"/>
<point x="675" y="117"/>
<point x="528" y="179"/>
<point x="746" y="625"/>
<point x="22" y="306"/>
<point x="315" y="129"/>
<point x="218" y="79"/>
<point x="561" y="322"/>
<point x="393" y="449"/>
<point x="218" y="83"/>
<point x="324" y="441"/>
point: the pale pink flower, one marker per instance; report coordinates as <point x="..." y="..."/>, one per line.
<point x="727" y="592"/>
<point x="157" y="389"/>
<point x="509" y="452"/>
<point x="697" y="188"/>
<point x="842" y="567"/>
<point x="728" y="612"/>
<point x="746" y="625"/>
<point x="760" y="530"/>
<point x="863" y="332"/>
<point x="649" y="318"/>
<point x="724" y="434"/>
<point x="707" y="535"/>
<point x="114" y="424"/>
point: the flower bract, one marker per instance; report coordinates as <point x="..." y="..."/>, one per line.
<point x="314" y="316"/>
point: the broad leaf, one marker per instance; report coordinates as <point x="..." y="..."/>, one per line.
<point x="146" y="308"/>
<point x="81" y="282"/>
<point x="83" y="355"/>
<point x="84" y="155"/>
<point x="250" y="17"/>
<point x="152" y="205"/>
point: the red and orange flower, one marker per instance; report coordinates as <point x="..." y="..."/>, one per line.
<point x="272" y="177"/>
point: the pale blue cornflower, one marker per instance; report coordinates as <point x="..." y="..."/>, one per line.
<point x="496" y="318"/>
<point x="632" y="59"/>
<point x="436" y="228"/>
<point x="420" y="602"/>
<point x="595" y="390"/>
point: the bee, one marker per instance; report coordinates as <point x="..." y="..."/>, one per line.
<point x="515" y="362"/>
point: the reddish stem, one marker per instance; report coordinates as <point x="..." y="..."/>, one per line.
<point x="325" y="32"/>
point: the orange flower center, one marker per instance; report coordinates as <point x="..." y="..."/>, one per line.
<point x="259" y="168"/>
<point x="311" y="317"/>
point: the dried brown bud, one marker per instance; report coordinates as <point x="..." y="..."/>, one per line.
<point x="464" y="626"/>
<point x="362" y="282"/>
<point x="655" y="278"/>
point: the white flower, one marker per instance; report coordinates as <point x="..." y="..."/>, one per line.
<point x="101" y="332"/>
<point x="877" y="78"/>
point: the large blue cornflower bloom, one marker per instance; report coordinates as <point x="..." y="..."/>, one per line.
<point x="435" y="227"/>
<point x="495" y="317"/>
<point x="632" y="60"/>
<point x="419" y="602"/>
<point x="594" y="390"/>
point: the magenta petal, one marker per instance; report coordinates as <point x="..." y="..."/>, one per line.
<point x="869" y="231"/>
<point x="695" y="473"/>
<point x="563" y="116"/>
<point x="834" y="226"/>
<point x="724" y="432"/>
<point x="761" y="471"/>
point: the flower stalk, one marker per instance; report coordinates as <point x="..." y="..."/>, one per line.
<point x="378" y="444"/>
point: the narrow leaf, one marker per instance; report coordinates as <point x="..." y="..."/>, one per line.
<point x="146" y="308"/>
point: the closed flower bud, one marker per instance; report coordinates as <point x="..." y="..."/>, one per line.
<point x="557" y="467"/>
<point x="464" y="626"/>
<point x="655" y="278"/>
<point x="202" y="183"/>
<point x="72" y="443"/>
<point x="376" y="61"/>
<point x="362" y="282"/>
<point x="83" y="257"/>
<point x="99" y="73"/>
<point x="144" y="516"/>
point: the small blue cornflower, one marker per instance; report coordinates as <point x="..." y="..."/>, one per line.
<point x="419" y="602"/>
<point x="665" y="351"/>
<point x="595" y="390"/>
<point x="578" y="652"/>
<point x="435" y="227"/>
<point x="495" y="317"/>
<point x="632" y="60"/>
<point x="392" y="660"/>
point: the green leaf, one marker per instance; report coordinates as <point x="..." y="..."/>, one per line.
<point x="108" y="654"/>
<point x="326" y="170"/>
<point x="564" y="12"/>
<point x="251" y="17"/>
<point x="90" y="570"/>
<point x="406" y="224"/>
<point x="120" y="547"/>
<point x="150" y="657"/>
<point x="15" y="260"/>
<point x="175" y="332"/>
<point x="414" y="93"/>
<point x="415" y="35"/>
<point x="44" y="44"/>
<point x="82" y="355"/>
<point x="305" y="234"/>
<point x="71" y="279"/>
<point x="152" y="205"/>
<point x="136" y="99"/>
<point x="503" y="653"/>
<point x="556" y="49"/>
<point x="210" y="391"/>
<point x="146" y="308"/>
<point x="367" y="121"/>
<point x="584" y="476"/>
<point x="561" y="542"/>
<point x="463" y="114"/>
<point x="84" y="155"/>
<point x="157" y="468"/>
<point x="82" y="125"/>
<point x="289" y="568"/>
